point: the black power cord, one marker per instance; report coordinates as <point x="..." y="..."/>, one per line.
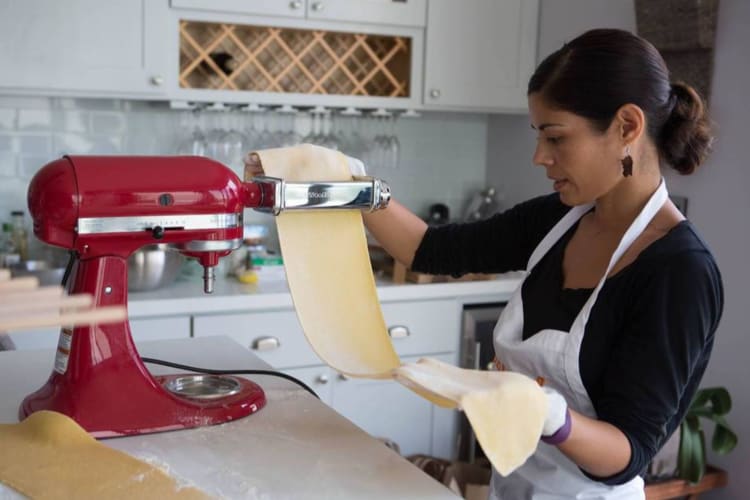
<point x="208" y="371"/>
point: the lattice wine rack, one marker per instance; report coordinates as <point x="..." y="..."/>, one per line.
<point x="269" y="59"/>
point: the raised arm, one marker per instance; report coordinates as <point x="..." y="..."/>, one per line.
<point x="397" y="229"/>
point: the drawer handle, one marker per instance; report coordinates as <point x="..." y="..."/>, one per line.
<point x="322" y="379"/>
<point x="343" y="377"/>
<point x="399" y="332"/>
<point x="265" y="344"/>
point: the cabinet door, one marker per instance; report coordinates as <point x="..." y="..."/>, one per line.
<point x="82" y="46"/>
<point x="393" y="12"/>
<point x="42" y="338"/>
<point x="318" y="378"/>
<point x="423" y="327"/>
<point x="274" y="336"/>
<point x="143" y="330"/>
<point x="386" y="409"/>
<point x="284" y="8"/>
<point x="480" y="54"/>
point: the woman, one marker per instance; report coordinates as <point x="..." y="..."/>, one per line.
<point x="622" y="299"/>
<point x="618" y="310"/>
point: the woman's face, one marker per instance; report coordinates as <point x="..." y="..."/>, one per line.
<point x="583" y="163"/>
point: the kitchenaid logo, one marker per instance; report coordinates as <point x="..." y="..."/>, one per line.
<point x="316" y="194"/>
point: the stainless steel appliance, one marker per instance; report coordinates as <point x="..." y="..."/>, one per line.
<point x="477" y="352"/>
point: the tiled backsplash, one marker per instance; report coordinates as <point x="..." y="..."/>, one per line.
<point x="443" y="155"/>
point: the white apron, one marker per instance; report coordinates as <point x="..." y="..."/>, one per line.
<point x="553" y="354"/>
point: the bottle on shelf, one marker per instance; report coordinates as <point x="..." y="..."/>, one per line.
<point x="18" y="234"/>
<point x="8" y="252"/>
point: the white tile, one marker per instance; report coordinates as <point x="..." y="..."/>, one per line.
<point x="12" y="197"/>
<point x="7" y="143"/>
<point x="34" y="119"/>
<point x="107" y="123"/>
<point x="8" y="118"/>
<point x="30" y="164"/>
<point x="105" y="145"/>
<point x="34" y="144"/>
<point x="71" y="121"/>
<point x="70" y="143"/>
<point x="7" y="164"/>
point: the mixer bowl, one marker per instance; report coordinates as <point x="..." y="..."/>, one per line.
<point x="153" y="267"/>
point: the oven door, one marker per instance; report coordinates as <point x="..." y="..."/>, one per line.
<point x="477" y="353"/>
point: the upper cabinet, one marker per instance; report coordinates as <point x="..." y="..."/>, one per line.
<point x="391" y="12"/>
<point x="82" y="47"/>
<point x="480" y="54"/>
<point x="388" y="12"/>
<point x="456" y="55"/>
<point x="361" y="53"/>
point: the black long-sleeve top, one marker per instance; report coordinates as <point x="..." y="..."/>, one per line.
<point x="649" y="335"/>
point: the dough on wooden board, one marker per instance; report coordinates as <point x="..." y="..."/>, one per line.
<point x="330" y="278"/>
<point x="49" y="456"/>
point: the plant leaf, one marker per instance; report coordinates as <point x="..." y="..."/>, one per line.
<point x="692" y="451"/>
<point x="724" y="439"/>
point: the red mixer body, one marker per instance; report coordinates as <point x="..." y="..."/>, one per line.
<point x="104" y="209"/>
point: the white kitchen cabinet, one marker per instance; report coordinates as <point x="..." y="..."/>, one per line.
<point x="479" y="54"/>
<point x="383" y="408"/>
<point x="145" y="329"/>
<point x="390" y="12"/>
<point x="318" y="378"/>
<point x="282" y="8"/>
<point x="387" y="409"/>
<point x="82" y="47"/>
<point x="274" y="336"/>
<point x="40" y="338"/>
<point x="383" y="12"/>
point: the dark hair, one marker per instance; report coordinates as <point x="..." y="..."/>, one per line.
<point x="601" y="70"/>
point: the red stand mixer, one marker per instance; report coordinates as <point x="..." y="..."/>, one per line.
<point x="104" y="209"/>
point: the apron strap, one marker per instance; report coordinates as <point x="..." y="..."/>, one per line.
<point x="575" y="335"/>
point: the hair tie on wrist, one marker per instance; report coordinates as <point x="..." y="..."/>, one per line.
<point x="561" y="434"/>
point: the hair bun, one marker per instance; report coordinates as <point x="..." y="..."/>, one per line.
<point x="686" y="135"/>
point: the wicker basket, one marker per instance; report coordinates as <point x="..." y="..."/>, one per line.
<point x="677" y="24"/>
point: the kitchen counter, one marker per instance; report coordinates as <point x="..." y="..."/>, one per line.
<point x="295" y="447"/>
<point x="187" y="297"/>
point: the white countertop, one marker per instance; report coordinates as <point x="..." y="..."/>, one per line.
<point x="187" y="297"/>
<point x="295" y="447"/>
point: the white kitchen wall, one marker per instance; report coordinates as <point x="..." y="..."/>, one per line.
<point x="717" y="193"/>
<point x="442" y="154"/>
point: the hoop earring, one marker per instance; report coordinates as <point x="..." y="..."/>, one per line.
<point x="627" y="163"/>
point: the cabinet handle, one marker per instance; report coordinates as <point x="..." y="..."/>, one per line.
<point x="265" y="344"/>
<point x="435" y="93"/>
<point x="157" y="80"/>
<point x="295" y="5"/>
<point x="343" y="377"/>
<point x="317" y="6"/>
<point x="399" y="331"/>
<point x="322" y="379"/>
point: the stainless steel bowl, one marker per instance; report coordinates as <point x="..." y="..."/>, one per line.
<point x="47" y="273"/>
<point x="152" y="267"/>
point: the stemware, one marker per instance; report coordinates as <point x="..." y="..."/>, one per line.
<point x="194" y="144"/>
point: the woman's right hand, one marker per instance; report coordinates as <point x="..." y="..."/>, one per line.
<point x="252" y="165"/>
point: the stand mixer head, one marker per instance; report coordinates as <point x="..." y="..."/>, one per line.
<point x="105" y="208"/>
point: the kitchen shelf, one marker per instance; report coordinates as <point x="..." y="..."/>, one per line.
<point x="221" y="56"/>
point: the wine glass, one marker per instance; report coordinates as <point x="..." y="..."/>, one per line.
<point x="194" y="144"/>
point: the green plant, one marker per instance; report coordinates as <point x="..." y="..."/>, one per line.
<point x="713" y="404"/>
